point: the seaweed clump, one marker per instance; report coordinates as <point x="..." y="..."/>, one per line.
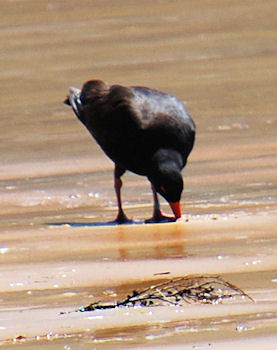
<point x="177" y="292"/>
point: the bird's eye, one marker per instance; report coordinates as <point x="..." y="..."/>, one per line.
<point x="162" y="189"/>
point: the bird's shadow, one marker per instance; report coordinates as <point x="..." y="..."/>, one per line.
<point x="94" y="224"/>
<point x="106" y="223"/>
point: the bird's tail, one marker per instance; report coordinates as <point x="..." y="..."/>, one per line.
<point x="73" y="100"/>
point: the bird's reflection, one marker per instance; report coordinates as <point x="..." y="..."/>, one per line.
<point x="137" y="240"/>
<point x="163" y="241"/>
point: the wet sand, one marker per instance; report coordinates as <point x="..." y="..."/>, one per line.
<point x="57" y="250"/>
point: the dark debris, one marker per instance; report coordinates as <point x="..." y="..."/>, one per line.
<point x="178" y="292"/>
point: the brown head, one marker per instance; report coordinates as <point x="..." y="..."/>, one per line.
<point x="92" y="90"/>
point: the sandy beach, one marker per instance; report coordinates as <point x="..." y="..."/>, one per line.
<point x="58" y="250"/>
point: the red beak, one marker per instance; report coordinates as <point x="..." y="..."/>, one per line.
<point x="176" y="208"/>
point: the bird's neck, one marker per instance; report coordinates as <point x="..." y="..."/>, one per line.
<point x="168" y="158"/>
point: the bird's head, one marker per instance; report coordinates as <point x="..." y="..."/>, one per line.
<point x="93" y="90"/>
<point x="166" y="177"/>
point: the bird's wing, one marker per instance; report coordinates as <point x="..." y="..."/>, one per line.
<point x="165" y="123"/>
<point x="123" y="116"/>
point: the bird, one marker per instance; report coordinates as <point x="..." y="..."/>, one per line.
<point x="142" y="130"/>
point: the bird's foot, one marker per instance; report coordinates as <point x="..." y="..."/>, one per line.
<point x="122" y="219"/>
<point x="158" y="216"/>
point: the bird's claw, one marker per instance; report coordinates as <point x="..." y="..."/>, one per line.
<point x="158" y="216"/>
<point x="122" y="219"/>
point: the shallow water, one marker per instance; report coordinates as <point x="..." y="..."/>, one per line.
<point x="56" y="251"/>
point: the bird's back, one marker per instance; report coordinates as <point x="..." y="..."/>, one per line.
<point x="164" y="119"/>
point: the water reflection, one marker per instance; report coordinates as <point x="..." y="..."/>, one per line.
<point x="159" y="241"/>
<point x="163" y="241"/>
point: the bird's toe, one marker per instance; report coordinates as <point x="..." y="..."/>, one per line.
<point x="159" y="217"/>
<point x="122" y="219"/>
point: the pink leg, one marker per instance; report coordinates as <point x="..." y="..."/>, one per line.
<point x="158" y="215"/>
<point x="121" y="217"/>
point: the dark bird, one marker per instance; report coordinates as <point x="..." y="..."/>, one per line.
<point x="142" y="130"/>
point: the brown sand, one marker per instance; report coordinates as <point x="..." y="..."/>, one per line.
<point x="56" y="251"/>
